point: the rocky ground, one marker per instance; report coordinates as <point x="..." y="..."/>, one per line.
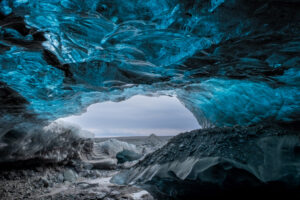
<point x="85" y="179"/>
<point x="253" y="161"/>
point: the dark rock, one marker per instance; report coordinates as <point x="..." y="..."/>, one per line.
<point x="44" y="182"/>
<point x="106" y="163"/>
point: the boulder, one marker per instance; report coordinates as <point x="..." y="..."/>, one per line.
<point x="70" y="175"/>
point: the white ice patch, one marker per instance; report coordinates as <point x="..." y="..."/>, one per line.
<point x="139" y="195"/>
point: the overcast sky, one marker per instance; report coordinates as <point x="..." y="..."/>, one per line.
<point x="137" y="116"/>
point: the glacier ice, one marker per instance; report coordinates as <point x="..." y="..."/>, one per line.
<point x="112" y="147"/>
<point x="261" y="160"/>
<point x="53" y="143"/>
<point x="221" y="102"/>
<point x="230" y="62"/>
<point x="233" y="63"/>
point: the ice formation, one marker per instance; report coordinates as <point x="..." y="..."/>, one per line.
<point x="229" y="62"/>
<point x="112" y="147"/>
<point x="240" y="161"/>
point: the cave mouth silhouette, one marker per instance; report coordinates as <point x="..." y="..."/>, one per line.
<point x="136" y="116"/>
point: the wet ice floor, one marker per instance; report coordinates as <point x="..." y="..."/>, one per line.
<point x="136" y="116"/>
<point x="98" y="187"/>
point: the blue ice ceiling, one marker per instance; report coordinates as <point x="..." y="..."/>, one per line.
<point x="228" y="61"/>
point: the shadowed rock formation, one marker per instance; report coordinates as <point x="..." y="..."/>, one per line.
<point x="232" y="162"/>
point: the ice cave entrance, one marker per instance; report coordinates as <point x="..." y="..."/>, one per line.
<point x="136" y="116"/>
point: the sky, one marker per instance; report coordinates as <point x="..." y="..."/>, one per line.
<point x="137" y="116"/>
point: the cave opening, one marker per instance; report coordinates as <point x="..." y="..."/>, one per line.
<point x="137" y="116"/>
<point x="233" y="67"/>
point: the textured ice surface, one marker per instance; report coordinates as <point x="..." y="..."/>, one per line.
<point x="230" y="62"/>
<point x="227" y="102"/>
<point x="112" y="147"/>
<point x="252" y="161"/>
<point x="54" y="143"/>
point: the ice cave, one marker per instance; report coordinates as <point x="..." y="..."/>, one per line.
<point x="233" y="65"/>
<point x="136" y="116"/>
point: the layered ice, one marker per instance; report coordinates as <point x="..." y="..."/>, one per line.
<point x="230" y="62"/>
<point x="219" y="162"/>
<point x="54" y="143"/>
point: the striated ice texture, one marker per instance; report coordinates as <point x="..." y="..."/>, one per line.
<point x="221" y="162"/>
<point x="230" y="62"/>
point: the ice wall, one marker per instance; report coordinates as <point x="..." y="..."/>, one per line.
<point x="230" y="62"/>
